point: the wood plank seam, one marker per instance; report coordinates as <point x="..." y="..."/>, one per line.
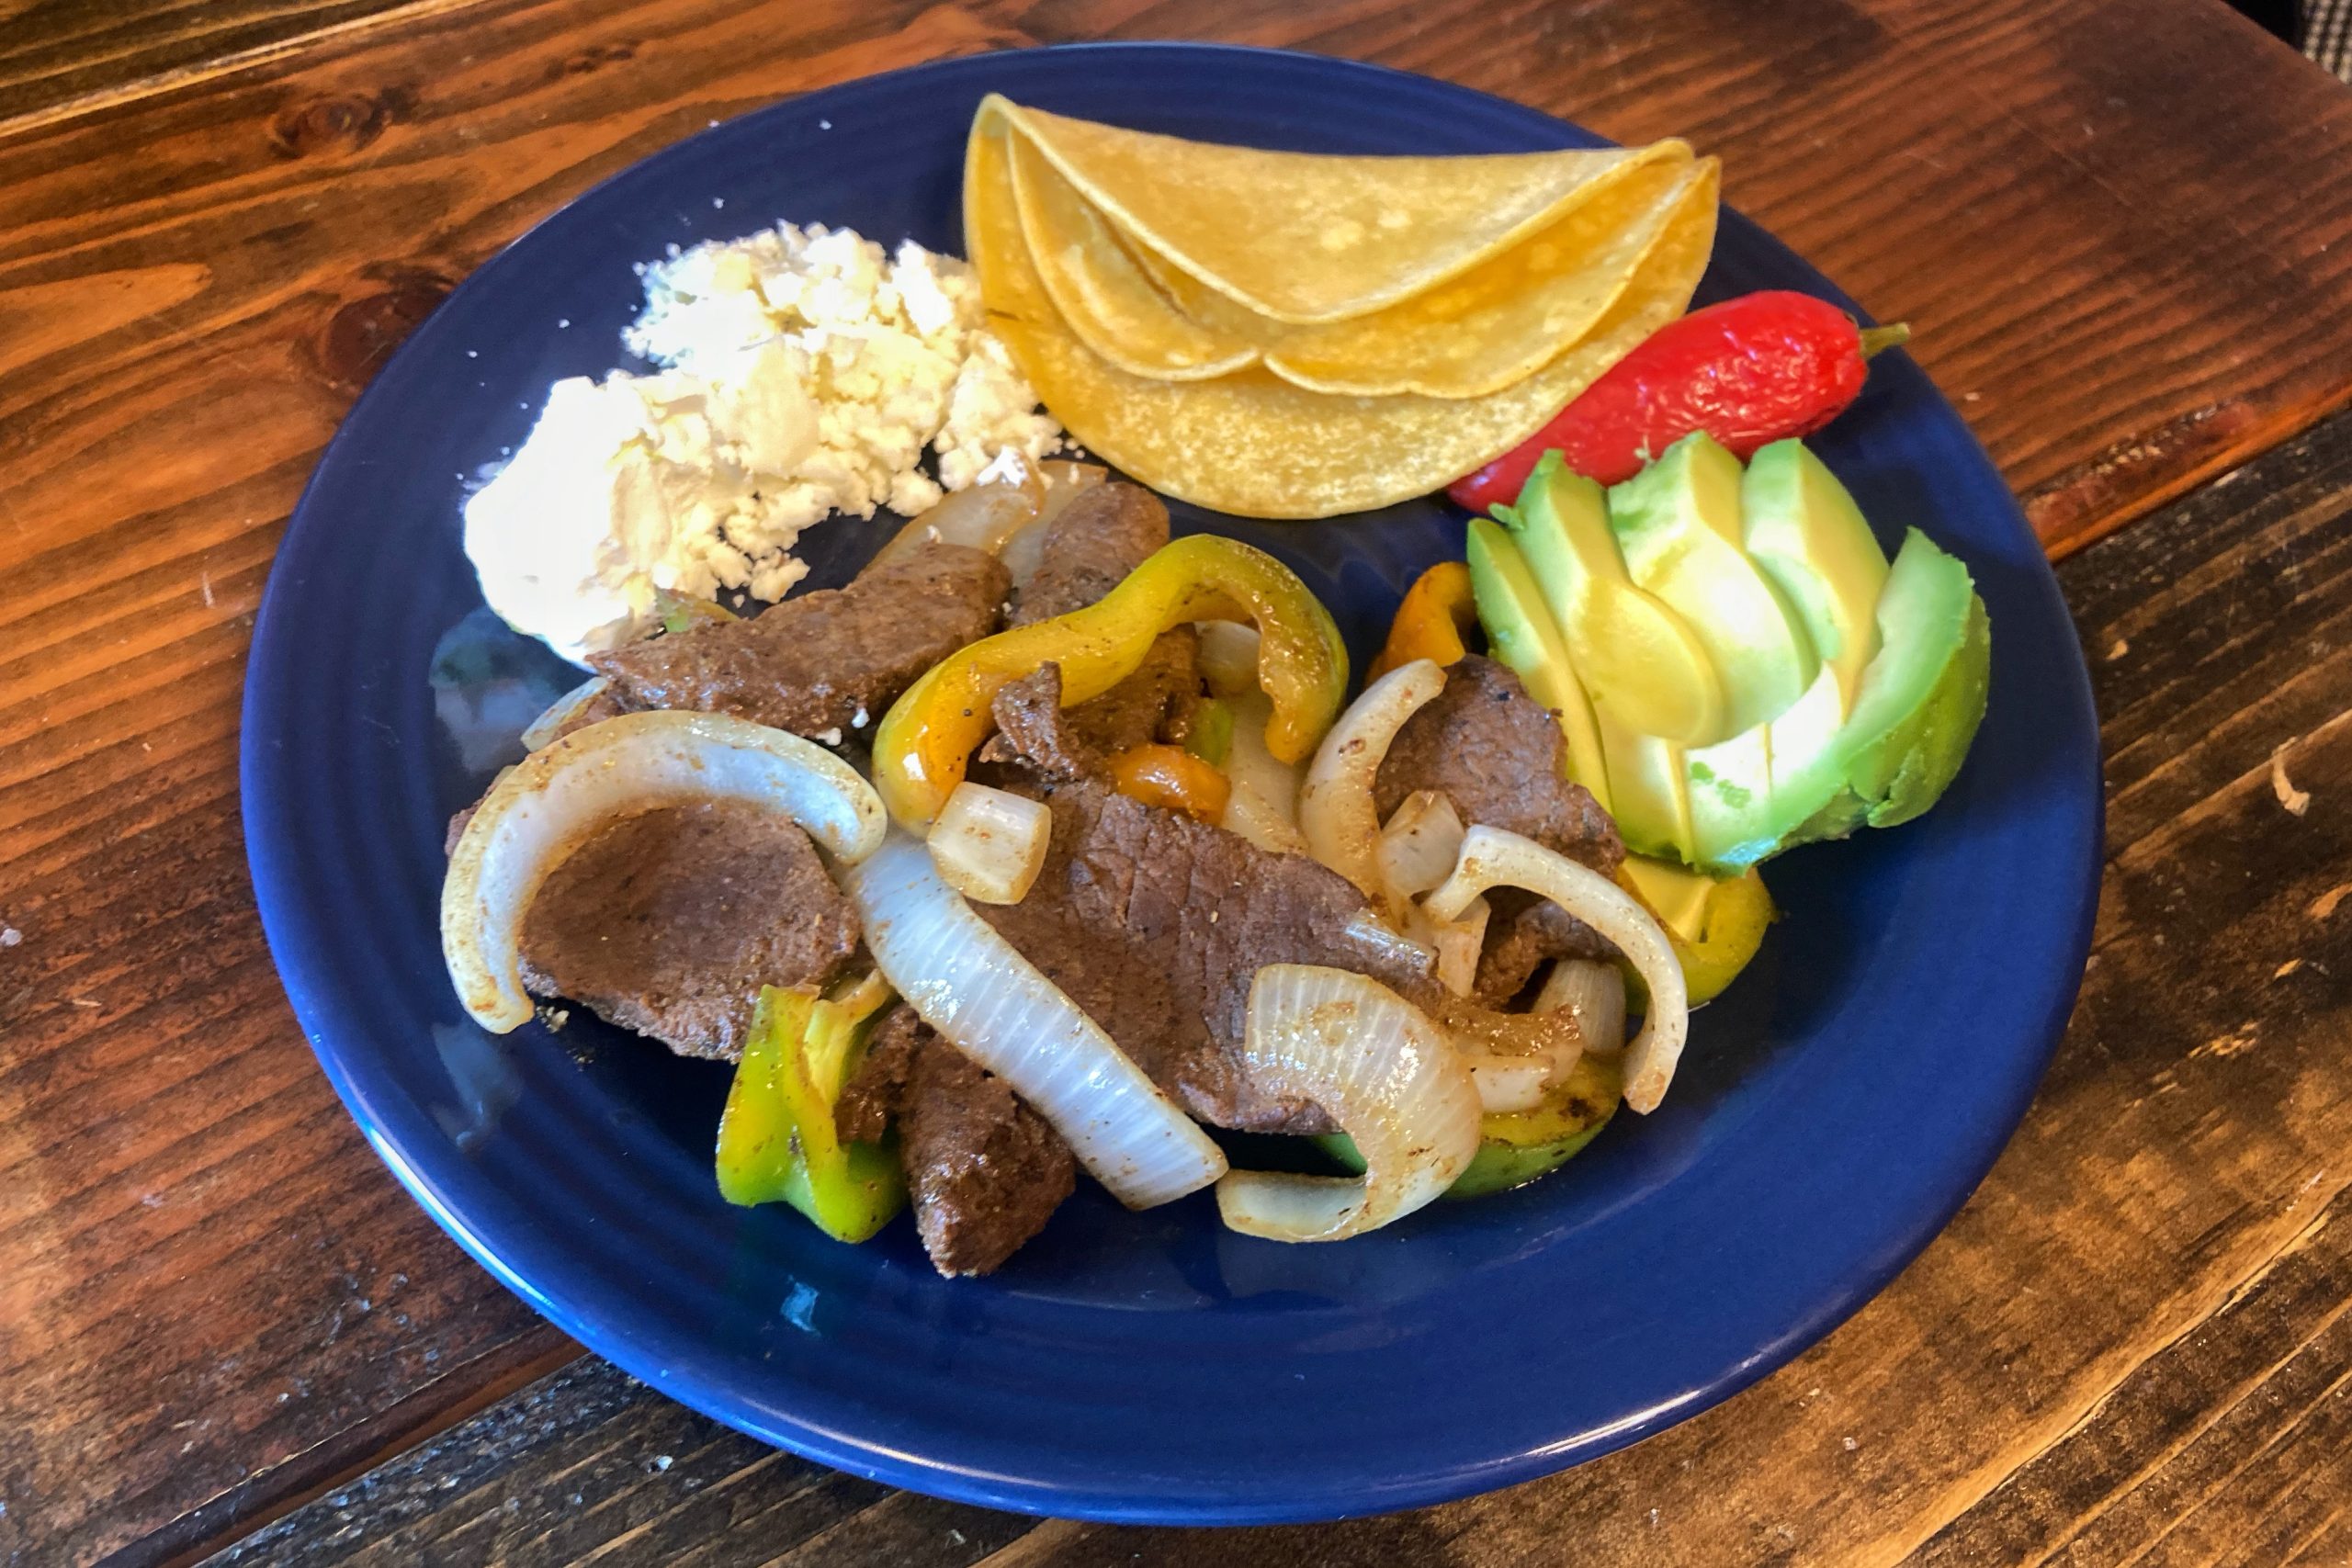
<point x="1043" y="1537"/>
<point x="2253" y="1282"/>
<point x="2106" y="1376"/>
<point x="200" y="1532"/>
<point x="276" y="51"/>
<point x="816" y="1478"/>
<point x="2172" y="1527"/>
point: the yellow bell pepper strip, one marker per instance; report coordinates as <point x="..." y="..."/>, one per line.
<point x="926" y="739"/>
<point x="1172" y="777"/>
<point x="1434" y="622"/>
<point x="1716" y="924"/>
<point x="777" y="1141"/>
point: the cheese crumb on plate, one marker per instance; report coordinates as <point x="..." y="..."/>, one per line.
<point x="804" y="372"/>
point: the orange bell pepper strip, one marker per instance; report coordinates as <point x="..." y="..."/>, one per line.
<point x="1434" y="622"/>
<point x="1172" y="777"/>
<point x="925" y="741"/>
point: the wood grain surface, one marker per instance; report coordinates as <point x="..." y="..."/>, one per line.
<point x="2119" y="228"/>
<point x="2132" y="1346"/>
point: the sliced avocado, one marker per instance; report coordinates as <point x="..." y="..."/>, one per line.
<point x="1728" y="785"/>
<point x="1806" y="533"/>
<point x="1908" y="771"/>
<point x="1516" y="1149"/>
<point x="1678" y="523"/>
<point x="1637" y="657"/>
<point x="1733" y="783"/>
<point x="1522" y="637"/>
<point x="1674" y="894"/>
<point x="1648" y="789"/>
<point x="1917" y="708"/>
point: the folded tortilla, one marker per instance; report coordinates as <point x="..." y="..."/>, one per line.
<point x="1253" y="443"/>
<point x="1305" y="237"/>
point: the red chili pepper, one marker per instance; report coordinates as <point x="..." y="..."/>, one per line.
<point x="1748" y="371"/>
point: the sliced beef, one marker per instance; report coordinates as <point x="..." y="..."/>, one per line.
<point x="1058" y="744"/>
<point x="870" y="1100"/>
<point x="984" y="1171"/>
<point x="1523" y="933"/>
<point x="1485" y="745"/>
<point x="1089" y="549"/>
<point x="1034" y="730"/>
<point x="1500" y="758"/>
<point x="1155" y="703"/>
<point x="831" y="660"/>
<point x="1155" y="924"/>
<point x="670" y="921"/>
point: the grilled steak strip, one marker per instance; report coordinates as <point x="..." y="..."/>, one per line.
<point x="668" y="923"/>
<point x="1155" y="925"/>
<point x="984" y="1171"/>
<point x="831" y="660"/>
<point x="1087" y="550"/>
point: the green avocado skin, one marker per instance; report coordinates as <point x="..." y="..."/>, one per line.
<point x="1921" y="702"/>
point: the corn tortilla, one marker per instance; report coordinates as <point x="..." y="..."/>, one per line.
<point x="1242" y="219"/>
<point x="1257" y="446"/>
<point x="1103" y="292"/>
<point x="1506" y="317"/>
<point x="1476" y="334"/>
<point x="1492" y="325"/>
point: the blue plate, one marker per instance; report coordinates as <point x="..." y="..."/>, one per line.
<point x="1832" y="1112"/>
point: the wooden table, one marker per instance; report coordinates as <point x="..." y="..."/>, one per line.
<point x="2124" y="230"/>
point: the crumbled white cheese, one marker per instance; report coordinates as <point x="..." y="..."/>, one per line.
<point x="804" y="373"/>
<point x="991" y="411"/>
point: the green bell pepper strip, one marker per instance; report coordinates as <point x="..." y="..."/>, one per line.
<point x="926" y="739"/>
<point x="776" y="1139"/>
<point x="1211" y="737"/>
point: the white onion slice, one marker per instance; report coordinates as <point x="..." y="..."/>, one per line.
<point x="1594" y="996"/>
<point x="1491" y="857"/>
<point x="1595" y="993"/>
<point x="1381" y="1071"/>
<point x="982" y="516"/>
<point x="1421" y="843"/>
<point x="543" y="807"/>
<point x="562" y="711"/>
<point x="1334" y="808"/>
<point x="1228" y="655"/>
<point x="1064" y="482"/>
<point x="1383" y="943"/>
<point x="989" y="844"/>
<point x="1506" y="1084"/>
<point x="1262" y="806"/>
<point x="1458" y="942"/>
<point x="971" y="984"/>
